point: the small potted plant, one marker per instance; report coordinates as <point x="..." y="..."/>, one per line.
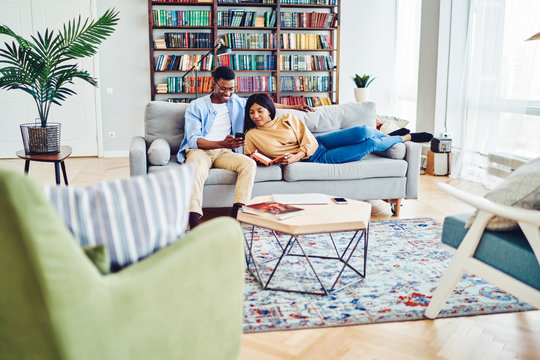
<point x="361" y="92"/>
<point x="44" y="67"/>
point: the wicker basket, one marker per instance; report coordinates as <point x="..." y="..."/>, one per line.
<point x="39" y="140"/>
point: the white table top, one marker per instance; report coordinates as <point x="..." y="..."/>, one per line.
<point x="317" y="218"/>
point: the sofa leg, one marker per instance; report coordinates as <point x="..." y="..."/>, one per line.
<point x="395" y="205"/>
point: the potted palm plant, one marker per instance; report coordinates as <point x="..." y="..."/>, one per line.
<point x="44" y="66"/>
<point x="361" y="92"/>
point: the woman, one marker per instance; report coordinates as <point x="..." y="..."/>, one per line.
<point x="288" y="135"/>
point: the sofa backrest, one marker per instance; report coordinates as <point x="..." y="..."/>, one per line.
<point x="335" y="117"/>
<point x="166" y="120"/>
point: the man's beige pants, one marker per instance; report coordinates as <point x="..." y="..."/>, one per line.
<point x="244" y="166"/>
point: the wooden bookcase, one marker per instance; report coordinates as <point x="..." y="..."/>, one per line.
<point x="324" y="81"/>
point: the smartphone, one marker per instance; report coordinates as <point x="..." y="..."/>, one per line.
<point x="339" y="200"/>
<point x="240" y="135"/>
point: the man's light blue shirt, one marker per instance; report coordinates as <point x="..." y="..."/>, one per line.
<point x="200" y="116"/>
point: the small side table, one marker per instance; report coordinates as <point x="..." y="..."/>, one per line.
<point x="57" y="159"/>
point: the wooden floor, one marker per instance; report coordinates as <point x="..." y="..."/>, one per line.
<point x="501" y="336"/>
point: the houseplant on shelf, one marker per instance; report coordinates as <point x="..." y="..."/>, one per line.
<point x="45" y="65"/>
<point x="361" y="92"/>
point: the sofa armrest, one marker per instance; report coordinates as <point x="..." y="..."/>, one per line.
<point x="138" y="162"/>
<point x="412" y="156"/>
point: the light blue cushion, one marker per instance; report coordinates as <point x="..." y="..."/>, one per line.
<point x="507" y="251"/>
<point x="133" y="217"/>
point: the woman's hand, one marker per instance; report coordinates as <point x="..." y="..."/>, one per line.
<point x="304" y="108"/>
<point x="291" y="158"/>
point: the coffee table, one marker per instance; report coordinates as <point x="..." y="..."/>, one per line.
<point x="328" y="218"/>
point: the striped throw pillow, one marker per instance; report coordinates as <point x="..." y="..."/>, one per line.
<point x="133" y="217"/>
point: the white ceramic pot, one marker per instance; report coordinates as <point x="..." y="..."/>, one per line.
<point x="361" y="94"/>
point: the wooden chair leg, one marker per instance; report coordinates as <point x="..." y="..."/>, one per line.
<point x="395" y="205"/>
<point x="458" y="264"/>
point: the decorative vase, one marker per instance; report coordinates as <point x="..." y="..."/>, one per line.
<point x="39" y="140"/>
<point x="361" y="94"/>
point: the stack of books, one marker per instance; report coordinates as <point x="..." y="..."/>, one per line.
<point x="160" y="44"/>
<point x="273" y="210"/>
<point x="161" y="88"/>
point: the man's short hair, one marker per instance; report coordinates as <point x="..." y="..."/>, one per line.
<point x="223" y="72"/>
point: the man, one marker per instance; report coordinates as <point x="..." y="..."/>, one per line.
<point x="208" y="141"/>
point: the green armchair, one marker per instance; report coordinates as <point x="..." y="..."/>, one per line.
<point x="183" y="302"/>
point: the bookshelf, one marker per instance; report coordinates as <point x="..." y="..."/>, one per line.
<point x="286" y="48"/>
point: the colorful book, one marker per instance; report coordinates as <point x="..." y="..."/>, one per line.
<point x="265" y="159"/>
<point x="273" y="210"/>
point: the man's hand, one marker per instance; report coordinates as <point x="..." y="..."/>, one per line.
<point x="231" y="142"/>
<point x="291" y="158"/>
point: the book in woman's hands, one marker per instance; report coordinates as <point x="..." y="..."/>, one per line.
<point x="265" y="159"/>
<point x="273" y="210"/>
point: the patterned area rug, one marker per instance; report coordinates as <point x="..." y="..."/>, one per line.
<point x="404" y="264"/>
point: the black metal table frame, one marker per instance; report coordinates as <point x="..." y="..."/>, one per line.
<point x="286" y="251"/>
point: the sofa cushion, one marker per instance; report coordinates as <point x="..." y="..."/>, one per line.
<point x="507" y="251"/>
<point x="397" y="151"/>
<point x="165" y="120"/>
<point x="133" y="217"/>
<point x="331" y="118"/>
<point x="372" y="166"/>
<point x="227" y="177"/>
<point x="159" y="152"/>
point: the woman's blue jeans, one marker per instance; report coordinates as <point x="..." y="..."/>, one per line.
<point x="351" y="144"/>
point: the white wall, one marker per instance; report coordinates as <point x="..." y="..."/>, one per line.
<point x="367" y="47"/>
<point x="124" y="71"/>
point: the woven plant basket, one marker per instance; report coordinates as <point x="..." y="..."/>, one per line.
<point x="39" y="140"/>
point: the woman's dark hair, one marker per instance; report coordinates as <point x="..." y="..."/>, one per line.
<point x="223" y="72"/>
<point x="260" y="99"/>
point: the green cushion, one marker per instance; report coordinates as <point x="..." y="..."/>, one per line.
<point x="100" y="257"/>
<point x="507" y="251"/>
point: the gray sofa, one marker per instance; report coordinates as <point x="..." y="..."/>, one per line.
<point x="390" y="175"/>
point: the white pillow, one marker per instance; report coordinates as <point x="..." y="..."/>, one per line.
<point x="520" y="189"/>
<point x="133" y="217"/>
<point x="390" y="123"/>
<point x="159" y="152"/>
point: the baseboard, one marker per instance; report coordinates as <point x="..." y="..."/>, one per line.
<point x="111" y="154"/>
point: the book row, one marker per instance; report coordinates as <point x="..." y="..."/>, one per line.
<point x="247" y="1"/>
<point x="313" y="19"/>
<point x="250" y="41"/>
<point x="306" y="83"/>
<point x="255" y="83"/>
<point x="308" y="2"/>
<point x="305" y="41"/>
<point x="306" y="62"/>
<point x="234" y="17"/>
<point x="181" y="18"/>
<point x="312" y="101"/>
<point x="248" y="62"/>
<point x="183" y="62"/>
<point x="298" y="2"/>
<point x="187" y="40"/>
<point x="177" y="84"/>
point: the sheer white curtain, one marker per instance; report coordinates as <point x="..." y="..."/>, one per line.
<point x="499" y="102"/>
<point x="407" y="43"/>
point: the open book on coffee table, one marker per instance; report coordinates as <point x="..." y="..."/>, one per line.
<point x="273" y="210"/>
